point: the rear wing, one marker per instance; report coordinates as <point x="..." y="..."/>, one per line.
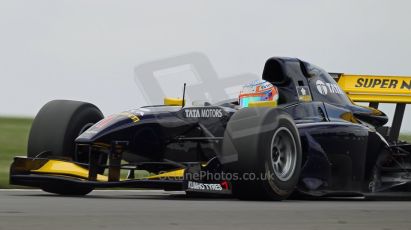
<point x="378" y="89"/>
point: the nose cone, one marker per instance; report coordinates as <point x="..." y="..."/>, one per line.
<point x="107" y="125"/>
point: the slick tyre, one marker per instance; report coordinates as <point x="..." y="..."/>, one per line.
<point x="53" y="134"/>
<point x="67" y="190"/>
<point x="262" y="147"/>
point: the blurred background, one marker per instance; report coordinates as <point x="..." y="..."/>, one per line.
<point x="88" y="50"/>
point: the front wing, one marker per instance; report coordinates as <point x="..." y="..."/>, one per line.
<point x="41" y="173"/>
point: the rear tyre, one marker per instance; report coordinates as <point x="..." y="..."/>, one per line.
<point x="267" y="146"/>
<point x="374" y="182"/>
<point x="52" y="135"/>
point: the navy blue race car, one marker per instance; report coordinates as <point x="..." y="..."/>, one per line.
<point x="311" y="140"/>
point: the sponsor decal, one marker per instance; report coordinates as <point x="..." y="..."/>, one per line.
<point x="381" y="83"/>
<point x="325" y="88"/>
<point x="304" y="93"/>
<point x="103" y="123"/>
<point x="132" y="116"/>
<point x="113" y="118"/>
<point x="385" y="89"/>
<point x="203" y="186"/>
<point x="203" y="112"/>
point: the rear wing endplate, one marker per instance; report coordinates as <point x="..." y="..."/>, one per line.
<point x="378" y="89"/>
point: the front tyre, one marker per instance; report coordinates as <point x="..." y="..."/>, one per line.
<point x="67" y="190"/>
<point x="53" y="134"/>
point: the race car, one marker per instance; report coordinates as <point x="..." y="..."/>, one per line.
<point x="311" y="139"/>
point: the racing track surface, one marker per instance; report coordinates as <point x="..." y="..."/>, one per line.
<point x="33" y="209"/>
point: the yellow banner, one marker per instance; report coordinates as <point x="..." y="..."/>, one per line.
<point x="368" y="88"/>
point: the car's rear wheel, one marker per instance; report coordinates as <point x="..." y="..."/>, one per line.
<point x="53" y="132"/>
<point x="265" y="152"/>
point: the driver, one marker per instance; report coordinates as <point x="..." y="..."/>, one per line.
<point x="258" y="90"/>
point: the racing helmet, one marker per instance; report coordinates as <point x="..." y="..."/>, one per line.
<point x="257" y="90"/>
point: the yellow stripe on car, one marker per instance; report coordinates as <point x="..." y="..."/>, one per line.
<point x="262" y="104"/>
<point x="66" y="168"/>
<point x="172" y="174"/>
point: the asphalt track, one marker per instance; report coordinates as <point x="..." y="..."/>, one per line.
<point x="33" y="209"/>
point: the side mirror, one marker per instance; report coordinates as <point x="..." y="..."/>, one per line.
<point x="171" y="101"/>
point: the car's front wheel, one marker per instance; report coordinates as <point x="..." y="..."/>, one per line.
<point x="52" y="135"/>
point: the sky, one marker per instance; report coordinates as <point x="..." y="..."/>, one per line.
<point x="88" y="49"/>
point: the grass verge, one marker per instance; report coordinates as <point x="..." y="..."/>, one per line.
<point x="13" y="141"/>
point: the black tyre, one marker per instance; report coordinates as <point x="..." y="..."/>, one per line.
<point x="374" y="182"/>
<point x="263" y="149"/>
<point x="67" y="190"/>
<point x="54" y="129"/>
